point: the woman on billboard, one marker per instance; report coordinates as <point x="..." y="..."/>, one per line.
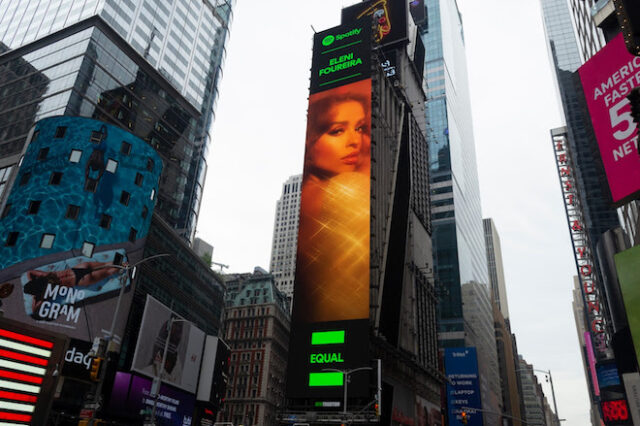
<point x="332" y="274"/>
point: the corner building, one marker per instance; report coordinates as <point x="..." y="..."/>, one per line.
<point x="149" y="67"/>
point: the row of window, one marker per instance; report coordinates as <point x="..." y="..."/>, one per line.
<point x="47" y="239"/>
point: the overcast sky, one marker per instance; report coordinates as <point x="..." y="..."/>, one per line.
<point x="258" y="142"/>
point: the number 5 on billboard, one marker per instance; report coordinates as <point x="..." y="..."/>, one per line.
<point x="617" y="118"/>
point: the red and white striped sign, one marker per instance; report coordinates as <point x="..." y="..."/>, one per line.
<point x="23" y="364"/>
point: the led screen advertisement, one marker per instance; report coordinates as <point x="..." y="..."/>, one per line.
<point x="183" y="348"/>
<point x="81" y="203"/>
<point x="331" y="293"/>
<point x="607" y="78"/>
<point x="627" y="266"/>
<point x="389" y="18"/>
<point x="132" y="394"/>
<point x="463" y="387"/>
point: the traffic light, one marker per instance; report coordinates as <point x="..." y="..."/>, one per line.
<point x="95" y="368"/>
<point x="376" y="407"/>
<point x="464" y="418"/>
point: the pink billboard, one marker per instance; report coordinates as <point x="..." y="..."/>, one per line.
<point x="607" y="78"/>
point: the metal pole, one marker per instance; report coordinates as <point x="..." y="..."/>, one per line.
<point x="553" y="394"/>
<point x="346" y="381"/>
<point x="123" y="279"/>
<point x="159" y="376"/>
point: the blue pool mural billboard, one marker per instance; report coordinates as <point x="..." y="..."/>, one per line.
<point x="82" y="200"/>
<point x="463" y="388"/>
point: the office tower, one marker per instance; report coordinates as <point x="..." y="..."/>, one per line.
<point x="285" y="236"/>
<point x="565" y="54"/>
<point x="458" y="244"/>
<point x="532" y="395"/>
<point x="256" y="324"/>
<point x="148" y="67"/>
<point x="507" y="363"/>
<point x="364" y="311"/>
<point x="480" y="332"/>
<point x="497" y="283"/>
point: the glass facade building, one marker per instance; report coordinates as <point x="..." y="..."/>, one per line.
<point x="566" y="58"/>
<point x="458" y="239"/>
<point x="148" y="67"/>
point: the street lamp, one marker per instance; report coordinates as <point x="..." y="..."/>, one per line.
<point x="345" y="381"/>
<point x="124" y="273"/>
<point x="553" y="394"/>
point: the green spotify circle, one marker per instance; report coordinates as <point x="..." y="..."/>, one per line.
<point x="328" y="40"/>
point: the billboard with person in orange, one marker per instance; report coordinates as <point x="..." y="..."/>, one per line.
<point x="332" y="268"/>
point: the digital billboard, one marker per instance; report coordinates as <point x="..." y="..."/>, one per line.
<point x="28" y="361"/>
<point x="389" y="18"/>
<point x="131" y="394"/>
<point x="627" y="266"/>
<point x="607" y="78"/>
<point x="162" y="329"/>
<point x="463" y="387"/>
<point x="331" y="293"/>
<point x="80" y="207"/>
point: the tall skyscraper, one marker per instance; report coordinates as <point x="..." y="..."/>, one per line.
<point x="458" y="243"/>
<point x="285" y="236"/>
<point x="497" y="284"/>
<point x="149" y="67"/>
<point x="566" y="58"/>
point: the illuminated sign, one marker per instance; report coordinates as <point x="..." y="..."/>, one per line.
<point x="463" y="386"/>
<point x="330" y="318"/>
<point x="389" y="19"/>
<point x="607" y="78"/>
<point x="615" y="411"/>
<point x="341" y="55"/>
<point x="83" y="201"/>
<point x="27" y="360"/>
<point x="582" y="249"/>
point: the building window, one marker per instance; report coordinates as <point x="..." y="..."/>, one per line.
<point x="47" y="241"/>
<point x="139" y="179"/>
<point x="96" y="137"/>
<point x="42" y="154"/>
<point x="125" y="148"/>
<point x="133" y="233"/>
<point x="145" y="212"/>
<point x="61" y="131"/>
<point x="90" y="185"/>
<point x="11" y="239"/>
<point x="72" y="212"/>
<point x="87" y="249"/>
<point x="34" y="206"/>
<point x="24" y="179"/>
<point x="153" y="194"/>
<point x="124" y="198"/>
<point x="75" y="156"/>
<point x="149" y="164"/>
<point x="105" y="221"/>
<point x="55" y="178"/>
<point x="6" y="210"/>
<point x="112" y="166"/>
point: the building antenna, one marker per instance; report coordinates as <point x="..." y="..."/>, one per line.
<point x="314" y="30"/>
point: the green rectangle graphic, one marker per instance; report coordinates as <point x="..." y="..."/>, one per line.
<point x="330" y="378"/>
<point x="327" y="337"/>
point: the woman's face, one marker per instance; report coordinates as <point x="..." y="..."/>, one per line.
<point x="338" y="149"/>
